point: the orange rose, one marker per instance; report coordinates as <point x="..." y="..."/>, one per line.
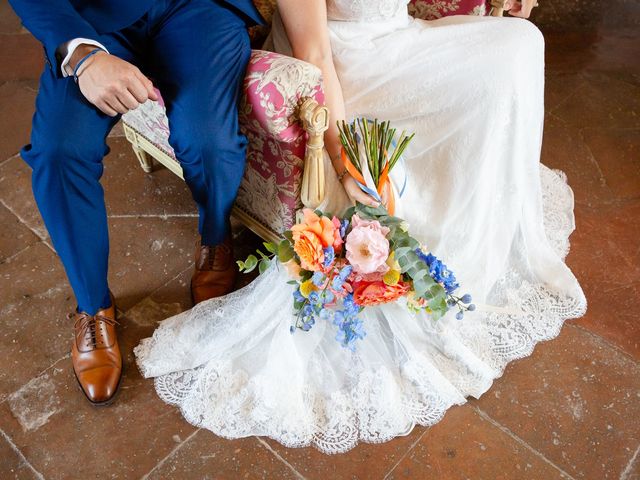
<point x="308" y="247"/>
<point x="367" y="294"/>
<point x="322" y="227"/>
<point x="310" y="237"/>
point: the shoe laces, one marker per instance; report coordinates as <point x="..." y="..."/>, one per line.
<point x="86" y="327"/>
<point x="211" y="250"/>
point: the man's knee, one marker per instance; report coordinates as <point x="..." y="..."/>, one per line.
<point x="210" y="146"/>
<point x="57" y="149"/>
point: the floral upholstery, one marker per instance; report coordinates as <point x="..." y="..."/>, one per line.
<point x="433" y="9"/>
<point x="273" y="86"/>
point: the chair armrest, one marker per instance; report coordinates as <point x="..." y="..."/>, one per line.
<point x="273" y="88"/>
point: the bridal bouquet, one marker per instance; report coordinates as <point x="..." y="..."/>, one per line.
<point x="341" y="266"/>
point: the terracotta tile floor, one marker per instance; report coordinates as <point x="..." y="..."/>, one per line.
<point x="569" y="411"/>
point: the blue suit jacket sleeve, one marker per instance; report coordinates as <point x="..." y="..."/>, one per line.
<point x="53" y="22"/>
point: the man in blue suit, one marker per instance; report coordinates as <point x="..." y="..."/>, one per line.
<point x="100" y="55"/>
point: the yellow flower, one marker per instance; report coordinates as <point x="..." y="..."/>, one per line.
<point x="392" y="277"/>
<point x="306" y="288"/>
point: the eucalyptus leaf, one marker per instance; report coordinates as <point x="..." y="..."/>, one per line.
<point x="250" y="263"/>
<point x="285" y="251"/>
<point x="271" y="247"/>
<point x="264" y="265"/>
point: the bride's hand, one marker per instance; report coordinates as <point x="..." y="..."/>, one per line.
<point x="355" y="193"/>
<point x="520" y="9"/>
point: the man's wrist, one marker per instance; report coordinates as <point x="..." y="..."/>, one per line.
<point x="72" y="49"/>
<point x="82" y="51"/>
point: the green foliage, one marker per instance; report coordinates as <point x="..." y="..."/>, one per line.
<point x="285" y="251"/>
<point x="249" y="264"/>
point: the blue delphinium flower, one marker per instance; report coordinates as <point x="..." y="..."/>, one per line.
<point x="297" y="296"/>
<point x="318" y="278"/>
<point x="350" y="327"/>
<point x="327" y="296"/>
<point x="339" y="279"/>
<point x="350" y="306"/>
<point x="350" y="330"/>
<point x="313" y="298"/>
<point x="438" y="271"/>
<point x="344" y="224"/>
<point x="329" y="256"/>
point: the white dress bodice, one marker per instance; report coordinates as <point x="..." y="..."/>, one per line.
<point x="365" y="10"/>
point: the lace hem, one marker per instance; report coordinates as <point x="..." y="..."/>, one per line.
<point x="431" y="367"/>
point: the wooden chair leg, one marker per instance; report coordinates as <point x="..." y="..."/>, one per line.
<point x="315" y="121"/>
<point x="146" y="161"/>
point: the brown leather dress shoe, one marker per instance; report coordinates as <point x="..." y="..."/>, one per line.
<point x="215" y="272"/>
<point x="95" y="354"/>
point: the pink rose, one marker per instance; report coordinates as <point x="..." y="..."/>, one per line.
<point x="337" y="239"/>
<point x="367" y="246"/>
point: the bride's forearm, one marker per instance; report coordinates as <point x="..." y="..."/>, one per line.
<point x="335" y="103"/>
<point x="308" y="35"/>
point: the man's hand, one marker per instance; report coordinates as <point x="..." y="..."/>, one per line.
<point x="520" y="9"/>
<point x="110" y="83"/>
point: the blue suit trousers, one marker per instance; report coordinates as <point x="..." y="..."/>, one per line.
<point x="196" y="52"/>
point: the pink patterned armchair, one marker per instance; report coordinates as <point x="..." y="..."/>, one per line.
<point x="283" y="117"/>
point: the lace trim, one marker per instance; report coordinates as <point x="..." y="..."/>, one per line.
<point x="376" y="405"/>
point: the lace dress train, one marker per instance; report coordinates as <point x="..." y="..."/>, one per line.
<point x="476" y="194"/>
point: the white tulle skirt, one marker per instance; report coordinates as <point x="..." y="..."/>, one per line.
<point x="472" y="90"/>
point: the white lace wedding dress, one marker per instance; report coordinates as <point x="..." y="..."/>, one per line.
<point x="472" y="90"/>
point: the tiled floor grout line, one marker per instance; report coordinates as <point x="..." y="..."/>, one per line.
<point x="35" y="232"/>
<point x="15" y="448"/>
<point x="65" y="356"/>
<point x="565" y="99"/>
<point x="403" y="456"/>
<point x="605" y="341"/>
<point x="628" y="470"/>
<point x="593" y="159"/>
<point x="8" y="259"/>
<point x="169" y="455"/>
<point x="279" y="457"/>
<point x="520" y="441"/>
<point x="7" y="160"/>
<point x="560" y="119"/>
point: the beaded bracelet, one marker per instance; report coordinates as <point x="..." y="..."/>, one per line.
<point x="82" y="60"/>
<point x="342" y="174"/>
